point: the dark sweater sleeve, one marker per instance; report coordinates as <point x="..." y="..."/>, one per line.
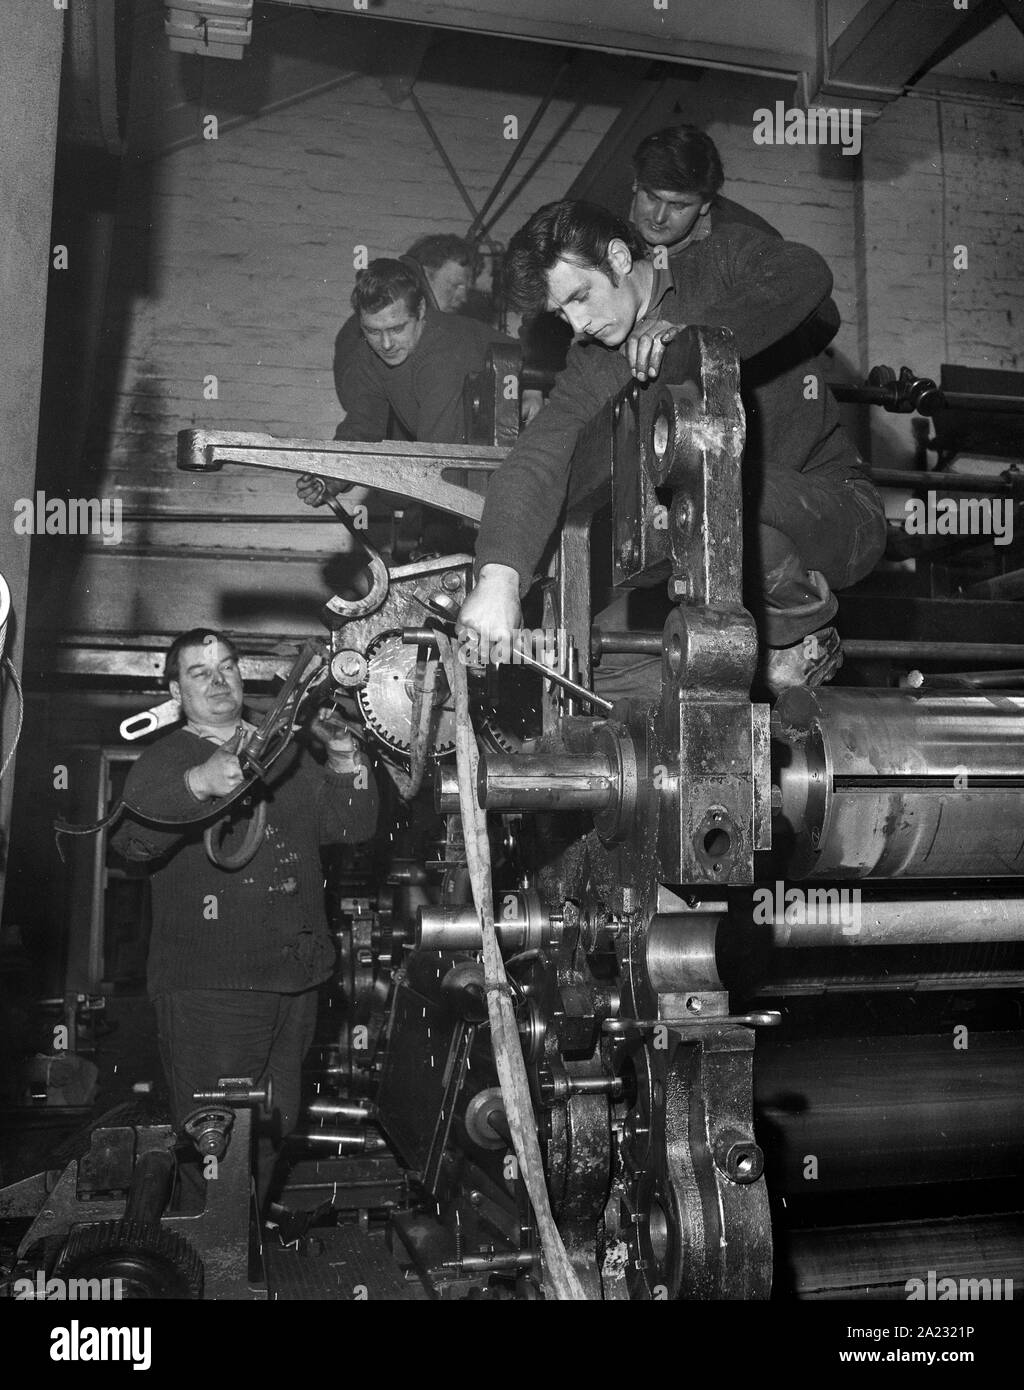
<point x="155" y="787"/>
<point x="526" y="495"/>
<point x="347" y="805"/>
<point x="822" y="324"/>
<point x="771" y="287"/>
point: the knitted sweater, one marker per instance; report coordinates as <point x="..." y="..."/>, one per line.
<point x="260" y="927"/>
<point x="423" y="393"/>
<point x="762" y="289"/>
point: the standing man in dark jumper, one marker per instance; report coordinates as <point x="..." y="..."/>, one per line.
<point x="236" y="956"/>
<point x="820" y="520"/>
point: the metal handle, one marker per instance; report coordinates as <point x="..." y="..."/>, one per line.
<point x="138" y="725"/>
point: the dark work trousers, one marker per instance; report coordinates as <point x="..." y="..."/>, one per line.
<point x="810" y="534"/>
<point x="811" y="528"/>
<point x="205" y="1034"/>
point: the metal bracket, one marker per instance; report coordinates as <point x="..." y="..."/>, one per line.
<point x="418" y="472"/>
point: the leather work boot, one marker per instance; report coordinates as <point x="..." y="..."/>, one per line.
<point x="811" y="661"/>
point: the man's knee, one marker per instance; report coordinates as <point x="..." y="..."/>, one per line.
<point x="866" y="533"/>
<point x="835" y="526"/>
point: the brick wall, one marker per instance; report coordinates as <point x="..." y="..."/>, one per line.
<point x="938" y="176"/>
<point x="932" y="176"/>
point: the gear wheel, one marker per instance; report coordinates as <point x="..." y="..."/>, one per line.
<point x="150" y="1261"/>
<point x="385" y="702"/>
<point x="386" y="699"/>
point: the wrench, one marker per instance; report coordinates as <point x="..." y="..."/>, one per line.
<point x="356" y="608"/>
<point x="138" y="725"/>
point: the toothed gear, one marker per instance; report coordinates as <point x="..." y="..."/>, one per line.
<point x="386" y="698"/>
<point x="385" y="702"/>
<point x="151" y="1261"/>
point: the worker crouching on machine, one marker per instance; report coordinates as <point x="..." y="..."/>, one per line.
<point x="240" y="939"/>
<point x="819" y="521"/>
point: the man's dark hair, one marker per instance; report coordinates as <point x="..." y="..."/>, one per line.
<point x="570" y="231"/>
<point x="195" y="637"/>
<point x="681" y="159"/>
<point x="436" y="250"/>
<point x="382" y="283"/>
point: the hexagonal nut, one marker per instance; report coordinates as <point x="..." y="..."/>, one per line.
<point x="349" y="669"/>
<point x="739" y="1158"/>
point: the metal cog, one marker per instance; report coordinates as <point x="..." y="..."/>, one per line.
<point x="151" y="1262"/>
<point x="386" y="699"/>
<point x="385" y="702"/>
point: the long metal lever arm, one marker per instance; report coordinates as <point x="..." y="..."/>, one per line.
<point x="415" y="471"/>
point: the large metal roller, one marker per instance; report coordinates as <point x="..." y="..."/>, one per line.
<point x="894" y="784"/>
<point x="825" y="918"/>
<point x="890" y="1112"/>
<point x="891" y="1261"/>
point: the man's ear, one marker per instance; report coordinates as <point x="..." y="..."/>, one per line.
<point x="175" y="688"/>
<point x="619" y="256"/>
<point x="705" y="208"/>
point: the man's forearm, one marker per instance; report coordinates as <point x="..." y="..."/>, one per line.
<point x="775" y="288"/>
<point x="524" y="502"/>
<point x="526" y="496"/>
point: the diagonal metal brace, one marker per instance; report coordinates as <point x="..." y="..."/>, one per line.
<point x="415" y="471"/>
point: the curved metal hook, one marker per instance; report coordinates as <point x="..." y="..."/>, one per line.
<point x="380" y="579"/>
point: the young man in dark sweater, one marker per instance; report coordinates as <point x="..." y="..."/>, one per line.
<point x="677" y="202"/>
<point x="820" y="521"/>
<point x="235" y="957"/>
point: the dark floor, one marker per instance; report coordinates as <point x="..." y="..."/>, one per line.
<point x="338" y="1263"/>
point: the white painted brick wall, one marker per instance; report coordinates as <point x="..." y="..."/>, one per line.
<point x="937" y="176"/>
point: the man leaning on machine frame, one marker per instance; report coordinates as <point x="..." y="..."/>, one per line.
<point x="814" y="520"/>
<point x="677" y="202"/>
